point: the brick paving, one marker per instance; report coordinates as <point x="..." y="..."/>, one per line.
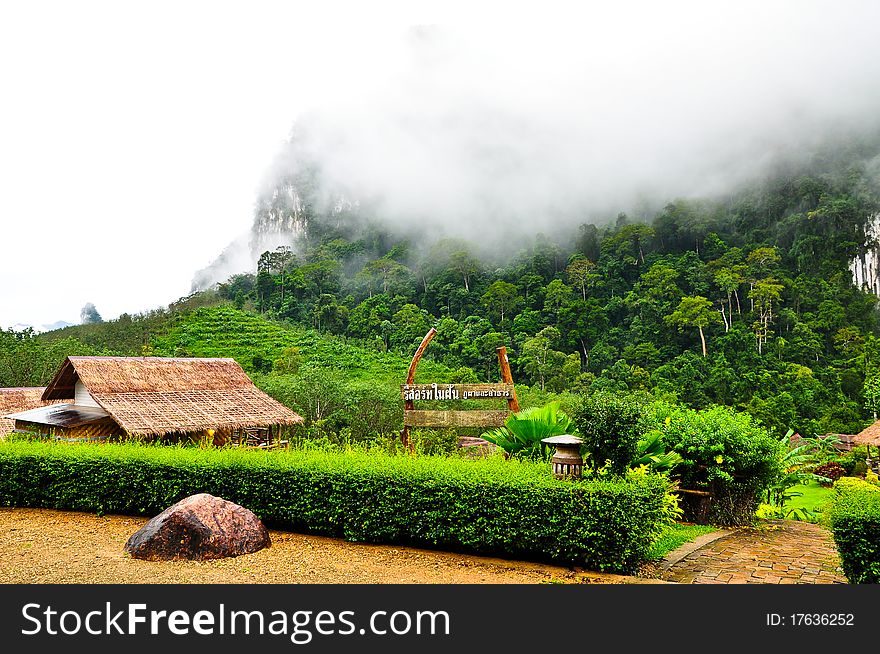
<point x="779" y="552"/>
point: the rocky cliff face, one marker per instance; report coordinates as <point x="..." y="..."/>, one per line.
<point x="865" y="267"/>
<point x="294" y="200"/>
<point x="281" y="219"/>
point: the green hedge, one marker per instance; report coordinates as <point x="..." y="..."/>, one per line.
<point x="491" y="506"/>
<point x="854" y="516"/>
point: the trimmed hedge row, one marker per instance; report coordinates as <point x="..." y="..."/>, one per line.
<point x="854" y="516"/>
<point x="489" y="506"/>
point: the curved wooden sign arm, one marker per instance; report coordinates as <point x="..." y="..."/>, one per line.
<point x="411" y="373"/>
<point x="507" y="378"/>
<point x="409" y="405"/>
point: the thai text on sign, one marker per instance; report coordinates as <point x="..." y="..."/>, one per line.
<point x="413" y="392"/>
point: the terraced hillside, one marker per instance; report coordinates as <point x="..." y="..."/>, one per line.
<point x="257" y="344"/>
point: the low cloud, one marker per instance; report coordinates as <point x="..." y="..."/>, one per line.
<point x="480" y="130"/>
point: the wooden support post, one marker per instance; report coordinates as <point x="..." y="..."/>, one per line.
<point x="507" y="378"/>
<point x="409" y="405"/>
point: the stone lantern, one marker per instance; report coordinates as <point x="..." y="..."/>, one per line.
<point x="567" y="462"/>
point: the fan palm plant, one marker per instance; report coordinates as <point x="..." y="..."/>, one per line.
<point x="523" y="431"/>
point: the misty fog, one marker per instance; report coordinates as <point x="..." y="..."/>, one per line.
<point x="480" y="131"/>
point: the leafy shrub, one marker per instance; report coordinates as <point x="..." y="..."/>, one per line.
<point x="769" y="512"/>
<point x="651" y="452"/>
<point x="523" y="431"/>
<point x="336" y="407"/>
<point x="831" y="471"/>
<point x="854" y="516"/>
<point x="824" y="448"/>
<point x="853" y="462"/>
<point x="610" y="425"/>
<point x="859" y="469"/>
<point x="726" y="453"/>
<point x="489" y="506"/>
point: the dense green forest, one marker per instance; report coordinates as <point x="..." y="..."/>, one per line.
<point x="744" y="301"/>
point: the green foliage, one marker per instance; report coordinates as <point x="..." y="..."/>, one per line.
<point x="501" y="300"/>
<point x="799" y="466"/>
<point x="724" y="452"/>
<point x="335" y="406"/>
<point x="696" y="312"/>
<point x="27" y="361"/>
<point x="258" y="343"/>
<point x="651" y="452"/>
<point x="854" y="516"/>
<point x="487" y="506"/>
<point x="854" y="462"/>
<point x="523" y="431"/>
<point x="746" y="303"/>
<point x="808" y="502"/>
<point x="871" y="393"/>
<point x="546" y="366"/>
<point x="611" y="426"/>
<point x="289" y="361"/>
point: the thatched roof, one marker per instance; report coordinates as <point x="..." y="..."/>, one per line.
<point x="156" y="396"/>
<point x="869" y="436"/>
<point x="13" y="400"/>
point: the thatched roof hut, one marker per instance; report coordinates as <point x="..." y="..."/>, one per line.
<point x="869" y="436"/>
<point x="13" y="400"/>
<point x="151" y="396"/>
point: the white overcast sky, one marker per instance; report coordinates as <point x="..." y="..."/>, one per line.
<point x="133" y="136"/>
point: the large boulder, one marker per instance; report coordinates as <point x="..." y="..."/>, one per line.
<point x="199" y="527"/>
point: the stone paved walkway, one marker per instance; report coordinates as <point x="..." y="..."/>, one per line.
<point x="779" y="552"/>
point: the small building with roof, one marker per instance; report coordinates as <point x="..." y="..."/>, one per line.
<point x="154" y="398"/>
<point x="18" y="399"/>
<point x="870" y="437"/>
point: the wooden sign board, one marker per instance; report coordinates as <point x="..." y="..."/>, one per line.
<point x="442" y="419"/>
<point x="415" y="392"/>
<point x="411" y="392"/>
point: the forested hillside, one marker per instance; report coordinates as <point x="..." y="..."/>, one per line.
<point x="746" y="301"/>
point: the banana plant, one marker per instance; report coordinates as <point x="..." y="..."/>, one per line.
<point x="797" y="464"/>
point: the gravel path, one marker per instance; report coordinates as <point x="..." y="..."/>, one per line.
<point x="44" y="546"/>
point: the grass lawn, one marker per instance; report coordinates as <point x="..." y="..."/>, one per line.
<point x="812" y="498"/>
<point x="675" y="536"/>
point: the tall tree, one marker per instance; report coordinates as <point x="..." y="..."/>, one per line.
<point x="556" y="295"/>
<point x="539" y="358"/>
<point x="502" y="298"/>
<point x="466" y="265"/>
<point x="728" y="280"/>
<point x="588" y="241"/>
<point x="696" y="312"/>
<point x="582" y="274"/>
<point x="763" y="294"/>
